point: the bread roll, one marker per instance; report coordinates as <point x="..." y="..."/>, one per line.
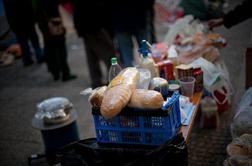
<point x="96" y="97"/>
<point x="146" y="99"/>
<point x="119" y="92"/>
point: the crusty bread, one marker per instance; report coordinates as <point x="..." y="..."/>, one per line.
<point x="146" y="99"/>
<point x="96" y="97"/>
<point x="115" y="100"/>
<point x="119" y="92"/>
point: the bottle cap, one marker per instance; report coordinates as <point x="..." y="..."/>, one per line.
<point x="144" y="49"/>
<point x="113" y="60"/>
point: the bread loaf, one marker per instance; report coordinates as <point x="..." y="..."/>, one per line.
<point x="119" y="92"/>
<point x="97" y="95"/>
<point x="146" y="99"/>
<point x="115" y="100"/>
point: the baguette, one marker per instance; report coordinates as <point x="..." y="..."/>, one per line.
<point x="119" y="92"/>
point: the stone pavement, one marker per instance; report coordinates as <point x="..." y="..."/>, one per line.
<point x="22" y="88"/>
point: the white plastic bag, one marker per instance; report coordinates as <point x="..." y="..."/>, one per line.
<point x="211" y="73"/>
<point x="246" y="100"/>
<point x="177" y="27"/>
<point x="215" y="77"/>
<point x="185" y="27"/>
<point x="242" y="122"/>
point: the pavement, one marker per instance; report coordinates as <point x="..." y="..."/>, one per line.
<point x="21" y="89"/>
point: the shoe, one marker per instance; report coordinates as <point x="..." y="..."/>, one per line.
<point x="68" y="78"/>
<point x="7" y="60"/>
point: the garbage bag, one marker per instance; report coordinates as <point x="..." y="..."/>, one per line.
<point x="89" y="153"/>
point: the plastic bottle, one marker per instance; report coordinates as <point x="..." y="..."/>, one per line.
<point x="209" y="114"/>
<point x="146" y="60"/>
<point x="115" y="69"/>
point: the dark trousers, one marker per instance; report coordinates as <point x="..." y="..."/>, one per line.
<point x="24" y="39"/>
<point x="56" y="56"/>
<point x="99" y="47"/>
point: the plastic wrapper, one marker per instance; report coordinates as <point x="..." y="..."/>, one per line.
<point x="145" y="78"/>
<point x="158" y="82"/>
<point x="119" y="92"/>
<point x="160" y="85"/>
<point x="242" y="120"/>
<point x="241" y="146"/>
<point x="215" y="79"/>
<point x="193" y="47"/>
<point x="128" y="76"/>
<point x="184" y="27"/>
<point x="54" y="110"/>
<point x="96" y="97"/>
<point x="238" y="161"/>
<point x="187" y="54"/>
<point x="146" y="99"/>
<point x="246" y="100"/>
<point x="183" y="101"/>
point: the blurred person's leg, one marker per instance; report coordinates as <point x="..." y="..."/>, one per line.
<point x="107" y="49"/>
<point x="151" y="26"/>
<point x="36" y="46"/>
<point x="93" y="59"/>
<point x="99" y="46"/>
<point x="26" y="53"/>
<point x="125" y="46"/>
<point x="62" y="56"/>
<point x="52" y="58"/>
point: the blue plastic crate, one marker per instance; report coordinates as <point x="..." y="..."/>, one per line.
<point x="135" y="126"/>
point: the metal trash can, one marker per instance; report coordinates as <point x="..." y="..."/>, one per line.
<point x="56" y="119"/>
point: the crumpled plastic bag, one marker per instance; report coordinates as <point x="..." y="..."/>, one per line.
<point x="240" y="151"/>
<point x="177" y="27"/>
<point x="216" y="77"/>
<point x="242" y="122"/>
<point x="208" y="52"/>
<point x="53" y="108"/>
<point x="238" y="161"/>
<point x="241" y="146"/>
<point x="246" y="100"/>
<point x="184" y="27"/>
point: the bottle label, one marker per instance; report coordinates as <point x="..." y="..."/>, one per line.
<point x="116" y="81"/>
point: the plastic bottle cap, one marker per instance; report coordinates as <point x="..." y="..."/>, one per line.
<point x="173" y="87"/>
<point x="113" y="60"/>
